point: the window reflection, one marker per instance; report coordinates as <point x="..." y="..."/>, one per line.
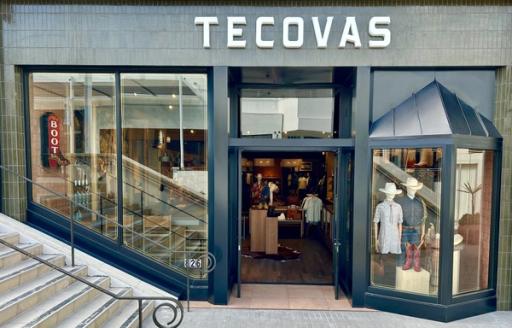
<point x="165" y="165"/>
<point x="73" y="141"/>
<point x="287" y="113"/>
<point x="473" y="202"/>
<point x="406" y="189"/>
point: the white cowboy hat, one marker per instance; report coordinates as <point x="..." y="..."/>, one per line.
<point x="413" y="184"/>
<point x="390" y="188"/>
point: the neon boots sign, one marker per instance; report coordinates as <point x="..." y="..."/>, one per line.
<point x="380" y="35"/>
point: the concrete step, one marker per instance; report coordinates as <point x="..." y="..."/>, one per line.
<point x="27" y="270"/>
<point x="30" y="294"/>
<point x="52" y="311"/>
<point x="98" y="311"/>
<point x="10" y="257"/>
<point x="128" y="316"/>
<point x="10" y="237"/>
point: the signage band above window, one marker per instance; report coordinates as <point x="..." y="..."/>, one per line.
<point x="380" y="35"/>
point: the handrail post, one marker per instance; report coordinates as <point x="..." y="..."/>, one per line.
<point x="140" y="312"/>
<point x="72" y="232"/>
<point x="102" y="223"/>
<point x="187" y="264"/>
<point x="141" y="204"/>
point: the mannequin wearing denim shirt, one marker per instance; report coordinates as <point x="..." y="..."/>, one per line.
<point x="413" y="227"/>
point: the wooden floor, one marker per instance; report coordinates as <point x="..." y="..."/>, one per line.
<point x="314" y="266"/>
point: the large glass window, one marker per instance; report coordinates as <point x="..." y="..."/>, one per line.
<point x="164" y="123"/>
<point x="164" y="158"/>
<point x="406" y="190"/>
<point x="287" y="113"/>
<point x="473" y="203"/>
<point x="73" y="144"/>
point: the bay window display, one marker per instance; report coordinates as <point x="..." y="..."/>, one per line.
<point x="473" y="203"/>
<point x="73" y="141"/>
<point x="406" y="190"/>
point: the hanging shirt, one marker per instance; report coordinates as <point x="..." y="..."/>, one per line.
<point x="389" y="215"/>
<point x="312" y="205"/>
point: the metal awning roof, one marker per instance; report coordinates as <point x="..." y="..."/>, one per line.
<point x="434" y="110"/>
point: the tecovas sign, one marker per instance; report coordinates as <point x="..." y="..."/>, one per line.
<point x="380" y="35"/>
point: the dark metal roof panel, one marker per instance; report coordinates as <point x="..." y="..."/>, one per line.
<point x="475" y="124"/>
<point x="431" y="112"/>
<point x="383" y="127"/>
<point x="405" y="117"/>
<point x="489" y="127"/>
<point x="453" y="111"/>
<point x="434" y="110"/>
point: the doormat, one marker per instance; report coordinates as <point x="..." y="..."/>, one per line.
<point x="283" y="254"/>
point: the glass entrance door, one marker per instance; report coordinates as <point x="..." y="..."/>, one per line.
<point x="299" y="241"/>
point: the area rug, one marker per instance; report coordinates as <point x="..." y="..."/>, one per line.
<point x="283" y="254"/>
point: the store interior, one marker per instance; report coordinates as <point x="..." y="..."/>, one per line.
<point x="287" y="211"/>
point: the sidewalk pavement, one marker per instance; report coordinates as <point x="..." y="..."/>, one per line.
<point x="226" y="318"/>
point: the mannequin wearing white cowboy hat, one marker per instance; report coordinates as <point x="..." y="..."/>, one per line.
<point x="387" y="221"/>
<point x="413" y="228"/>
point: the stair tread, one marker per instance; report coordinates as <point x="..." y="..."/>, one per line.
<point x="4" y="235"/>
<point x="30" y="288"/>
<point x="93" y="309"/>
<point x="9" y="251"/>
<point x="54" y="303"/>
<point x="128" y="314"/>
<point x="25" y="265"/>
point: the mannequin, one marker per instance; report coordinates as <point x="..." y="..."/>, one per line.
<point x="257" y="189"/>
<point x="388" y="214"/>
<point x="303" y="183"/>
<point x="413" y="230"/>
<point x="274" y="188"/>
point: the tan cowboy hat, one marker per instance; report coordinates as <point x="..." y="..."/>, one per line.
<point x="413" y="183"/>
<point x="390" y="188"/>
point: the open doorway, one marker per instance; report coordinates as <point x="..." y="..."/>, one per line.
<point x="288" y="214"/>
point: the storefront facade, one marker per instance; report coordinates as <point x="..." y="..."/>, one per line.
<point x="117" y="105"/>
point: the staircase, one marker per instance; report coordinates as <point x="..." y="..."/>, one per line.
<point x="32" y="294"/>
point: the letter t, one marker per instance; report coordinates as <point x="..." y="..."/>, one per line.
<point x="206" y="22"/>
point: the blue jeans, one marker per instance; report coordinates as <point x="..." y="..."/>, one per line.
<point x="409" y="236"/>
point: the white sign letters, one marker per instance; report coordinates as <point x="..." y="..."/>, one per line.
<point x="293" y="31"/>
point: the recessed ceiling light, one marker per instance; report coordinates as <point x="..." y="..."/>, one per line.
<point x="173" y="95"/>
<point x="170" y="106"/>
<point x="191" y="131"/>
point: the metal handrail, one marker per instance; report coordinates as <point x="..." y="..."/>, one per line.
<point x="173" y="303"/>
<point x="161" y="200"/>
<point x="72" y="221"/>
<point x="127" y="159"/>
<point x="130" y="210"/>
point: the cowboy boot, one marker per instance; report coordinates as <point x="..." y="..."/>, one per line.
<point x="417" y="266"/>
<point x="408" y="254"/>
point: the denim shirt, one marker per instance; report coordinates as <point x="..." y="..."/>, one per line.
<point x="413" y="210"/>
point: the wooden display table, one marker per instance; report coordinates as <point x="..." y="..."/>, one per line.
<point x="257" y="229"/>
<point x="271" y="239"/>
